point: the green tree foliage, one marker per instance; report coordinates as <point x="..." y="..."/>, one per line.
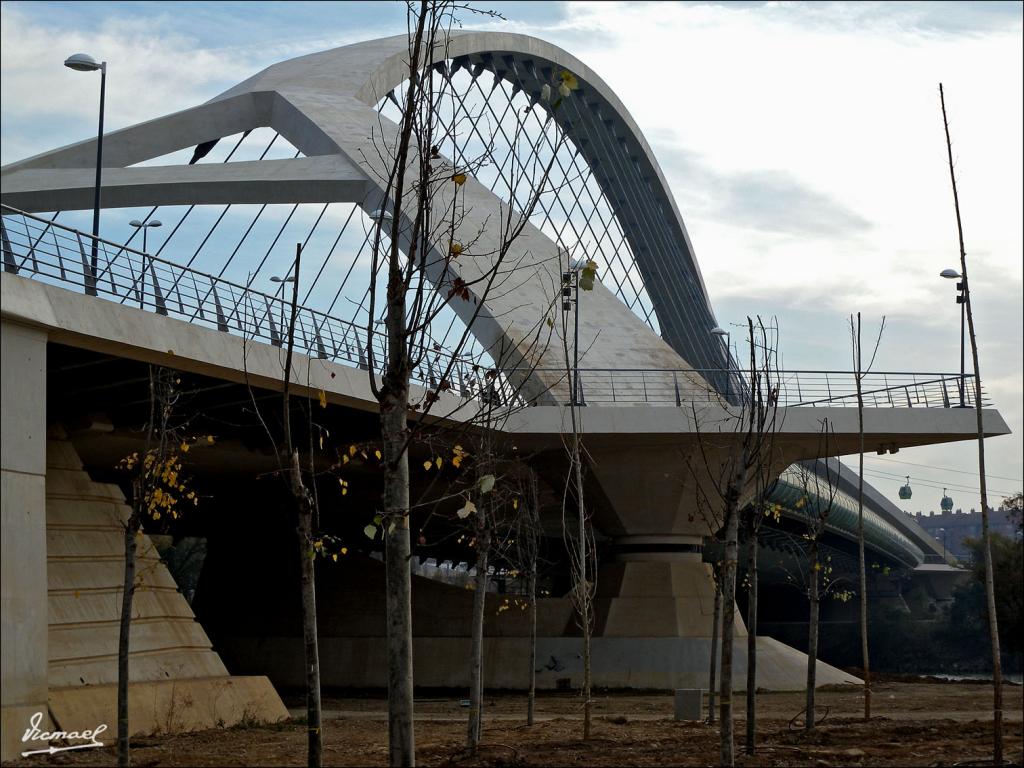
<point x="1008" y="572"/>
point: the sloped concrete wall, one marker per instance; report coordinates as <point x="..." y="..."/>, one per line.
<point x="179" y="682"/>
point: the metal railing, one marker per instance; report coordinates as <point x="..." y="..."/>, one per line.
<point x="40" y="249"/>
<point x="791" y="389"/>
<point x="44" y="250"/>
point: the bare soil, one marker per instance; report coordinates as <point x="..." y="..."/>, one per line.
<point x="914" y="724"/>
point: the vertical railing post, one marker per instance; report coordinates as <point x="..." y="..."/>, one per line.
<point x="10" y="265"/>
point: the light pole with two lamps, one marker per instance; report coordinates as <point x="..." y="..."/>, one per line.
<point x="83" y="62"/>
<point x="145" y="226"/>
<point x="570" y="301"/>
<point x="961" y="299"/>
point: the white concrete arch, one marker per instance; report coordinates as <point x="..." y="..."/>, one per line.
<point x="324" y="105"/>
<point x="601" y="126"/>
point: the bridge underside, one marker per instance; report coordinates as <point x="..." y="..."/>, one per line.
<point x="654" y="592"/>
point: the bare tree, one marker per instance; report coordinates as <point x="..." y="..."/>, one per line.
<point x="817" y="485"/>
<point x="990" y="592"/>
<point x="579" y="538"/>
<point x="859" y="373"/>
<point x="303" y="506"/>
<point x="753" y="420"/>
<point x="765" y="402"/>
<point x="158" y="492"/>
<point x="528" y="537"/>
<point x="423" y="213"/>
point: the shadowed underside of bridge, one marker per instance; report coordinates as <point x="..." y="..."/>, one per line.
<point x="296" y="158"/>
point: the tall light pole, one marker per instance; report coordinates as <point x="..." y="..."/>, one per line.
<point x="144" y="226"/>
<point x="943" y="532"/>
<point x="83" y="62"/>
<point x="952" y="274"/>
<point x="721" y="333"/>
<point x="571" y="300"/>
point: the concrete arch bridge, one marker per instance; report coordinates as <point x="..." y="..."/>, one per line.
<point x="293" y="155"/>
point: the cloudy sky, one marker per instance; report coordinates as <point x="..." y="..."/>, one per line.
<point x="803" y="143"/>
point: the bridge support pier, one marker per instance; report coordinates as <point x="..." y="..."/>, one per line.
<point x="656" y="586"/>
<point x="23" y="607"/>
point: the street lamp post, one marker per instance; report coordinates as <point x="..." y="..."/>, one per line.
<point x="952" y="274"/>
<point x="721" y="333"/>
<point x="283" y="280"/>
<point x="144" y="226"/>
<point x="943" y="532"/>
<point x="83" y="62"/>
<point x="571" y="300"/>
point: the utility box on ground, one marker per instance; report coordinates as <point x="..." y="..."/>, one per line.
<point x="689" y="703"/>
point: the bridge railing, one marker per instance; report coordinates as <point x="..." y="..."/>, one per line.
<point x="50" y="252"/>
<point x="794" y="388"/>
<point x="41" y="249"/>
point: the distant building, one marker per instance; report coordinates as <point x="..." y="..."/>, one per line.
<point x="951" y="528"/>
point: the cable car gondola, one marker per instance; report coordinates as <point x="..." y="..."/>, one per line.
<point x="906" y="491"/>
<point x="947" y="503"/>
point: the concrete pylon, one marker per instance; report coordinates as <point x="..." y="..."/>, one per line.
<point x="663" y="592"/>
<point x="661" y="503"/>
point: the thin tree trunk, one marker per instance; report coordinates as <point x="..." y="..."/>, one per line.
<point x="477" y="639"/>
<point x="752" y="640"/>
<point x="863" y="574"/>
<point x="990" y="591"/>
<point x="712" y="671"/>
<point x="303" y="509"/>
<point x="532" y="598"/>
<point x="584" y="593"/>
<point x="307" y="581"/>
<point x="399" y="584"/>
<point x="725" y="709"/>
<point x="812" y="634"/>
<point x="131" y="530"/>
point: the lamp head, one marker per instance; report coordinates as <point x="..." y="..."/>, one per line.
<point x="135" y="223"/>
<point x="719" y="331"/>
<point x="950" y="274"/>
<point x="276" y="279"/>
<point x="82" y="62"/>
<point x="155" y="223"/>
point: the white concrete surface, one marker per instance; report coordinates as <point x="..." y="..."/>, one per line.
<point x="23" y="615"/>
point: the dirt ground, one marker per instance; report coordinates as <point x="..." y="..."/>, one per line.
<point x="914" y="724"/>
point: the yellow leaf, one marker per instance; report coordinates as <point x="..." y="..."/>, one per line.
<point x="334" y="557"/>
<point x="377" y="453"/>
<point x="569" y="80"/>
<point x="459" y="179"/>
<point x="515" y="503"/>
<point x="352" y="450"/>
<point x="439" y="461"/>
<point x="209" y="439"/>
<point x="323" y="398"/>
<point x="344" y="459"/>
<point x="427" y="464"/>
<point x="344" y="550"/>
<point x="456" y="249"/>
<point x="321" y="442"/>
<point x="456" y="461"/>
